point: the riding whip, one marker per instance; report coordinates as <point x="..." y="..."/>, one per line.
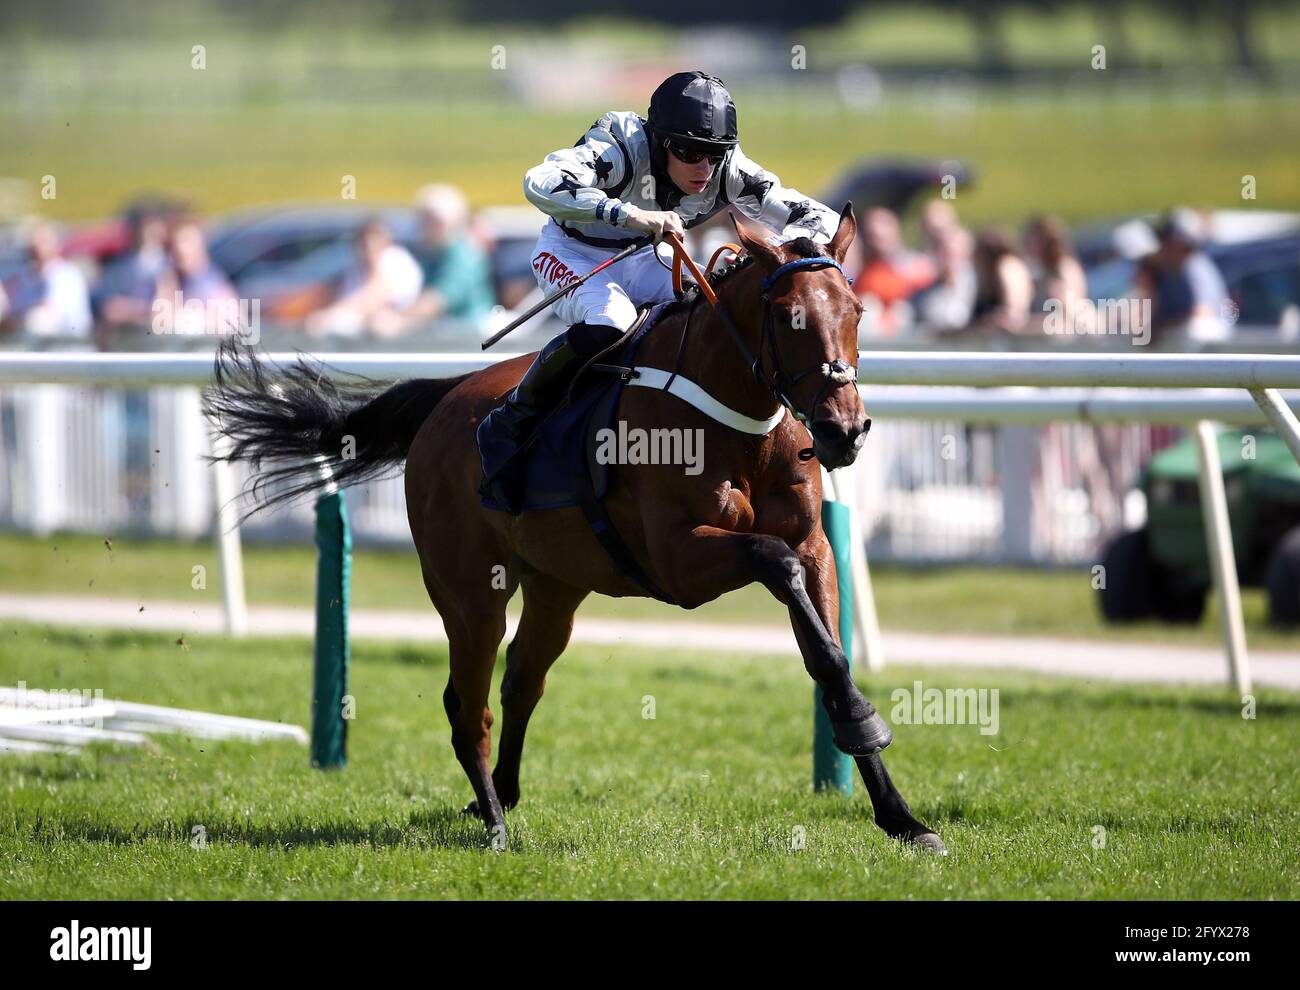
<point x="632" y="248"/>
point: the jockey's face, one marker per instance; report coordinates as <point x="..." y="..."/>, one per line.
<point x="690" y="179"/>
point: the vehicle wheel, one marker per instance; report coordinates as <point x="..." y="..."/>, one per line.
<point x="1184" y="607"/>
<point x="1130" y="579"/>
<point x="1283" y="581"/>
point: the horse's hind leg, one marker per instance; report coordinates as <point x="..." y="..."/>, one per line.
<point x="543" y="633"/>
<point x="473" y="642"/>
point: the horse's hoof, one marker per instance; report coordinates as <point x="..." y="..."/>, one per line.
<point x="498" y="838"/>
<point x="930" y="842"/>
<point x="471" y="809"/>
<point x="862" y="738"/>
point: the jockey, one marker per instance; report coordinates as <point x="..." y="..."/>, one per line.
<point x="625" y="178"/>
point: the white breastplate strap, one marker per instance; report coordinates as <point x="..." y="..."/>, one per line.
<point x="692" y="394"/>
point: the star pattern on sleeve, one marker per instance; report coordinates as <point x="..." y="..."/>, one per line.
<point x="602" y="169"/>
<point x="752" y="185"/>
<point x="801" y="215"/>
<point x="568" y="184"/>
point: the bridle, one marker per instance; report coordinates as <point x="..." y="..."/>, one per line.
<point x="835" y="373"/>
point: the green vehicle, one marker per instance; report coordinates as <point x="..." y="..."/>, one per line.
<point x="1163" y="570"/>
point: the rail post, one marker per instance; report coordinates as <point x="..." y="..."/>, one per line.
<point x="833" y="770"/>
<point x="330" y="655"/>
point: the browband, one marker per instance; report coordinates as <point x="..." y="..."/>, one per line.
<point x="789" y="266"/>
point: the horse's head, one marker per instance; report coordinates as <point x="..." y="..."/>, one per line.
<point x="809" y="347"/>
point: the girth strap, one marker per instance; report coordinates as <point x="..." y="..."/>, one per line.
<point x="607" y="535"/>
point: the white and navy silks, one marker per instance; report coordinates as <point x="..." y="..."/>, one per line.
<point x="586" y="190"/>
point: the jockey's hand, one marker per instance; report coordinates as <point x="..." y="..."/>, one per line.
<point x="656" y="223"/>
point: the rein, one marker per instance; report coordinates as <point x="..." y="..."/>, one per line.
<point x="835" y="373"/>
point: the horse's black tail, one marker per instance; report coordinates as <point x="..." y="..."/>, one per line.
<point x="305" y="422"/>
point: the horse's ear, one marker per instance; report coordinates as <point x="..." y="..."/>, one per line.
<point x="767" y="253"/>
<point x="844" y="233"/>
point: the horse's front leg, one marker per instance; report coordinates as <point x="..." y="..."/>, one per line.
<point x="891" y="810"/>
<point x="712" y="561"/>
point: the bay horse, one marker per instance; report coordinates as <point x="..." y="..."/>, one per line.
<point x="753" y="513"/>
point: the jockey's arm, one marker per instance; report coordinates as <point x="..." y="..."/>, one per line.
<point x="759" y="195"/>
<point x="575" y="184"/>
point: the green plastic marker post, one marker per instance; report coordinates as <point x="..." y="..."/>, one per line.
<point x="329" y="729"/>
<point x="831" y="768"/>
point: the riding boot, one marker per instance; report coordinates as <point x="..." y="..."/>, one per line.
<point x="541" y="385"/>
<point x="507" y="427"/>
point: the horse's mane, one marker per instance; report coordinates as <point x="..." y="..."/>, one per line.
<point x="802" y="247"/>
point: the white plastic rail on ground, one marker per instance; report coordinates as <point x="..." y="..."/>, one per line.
<point x="43" y="721"/>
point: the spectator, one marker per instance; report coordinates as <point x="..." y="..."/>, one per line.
<point x="938" y="220"/>
<point x="945" y="305"/>
<point x="1058" y="277"/>
<point x="129" y="285"/>
<point x="383" y="284"/>
<point x="890" y="273"/>
<point x="457" y="278"/>
<point x="1004" y="287"/>
<point x="192" y="279"/>
<point x="49" y="297"/>
<point x="1186" y="290"/>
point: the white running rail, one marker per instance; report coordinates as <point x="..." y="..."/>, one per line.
<point x="1106" y="387"/>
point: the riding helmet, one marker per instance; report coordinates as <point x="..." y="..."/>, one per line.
<point x="696" y="109"/>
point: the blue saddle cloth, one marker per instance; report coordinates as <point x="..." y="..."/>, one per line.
<point x="561" y="459"/>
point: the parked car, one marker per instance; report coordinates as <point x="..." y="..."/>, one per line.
<point x="1257" y="252"/>
<point x="289" y="257"/>
<point x="510" y="235"/>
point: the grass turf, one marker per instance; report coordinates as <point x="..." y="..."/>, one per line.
<point x="950" y="599"/>
<point x="701" y="802"/>
<point x="1085" y="158"/>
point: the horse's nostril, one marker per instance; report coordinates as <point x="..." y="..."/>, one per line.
<point x="866" y="426"/>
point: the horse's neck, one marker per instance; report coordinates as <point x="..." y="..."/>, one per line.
<point x="711" y="358"/>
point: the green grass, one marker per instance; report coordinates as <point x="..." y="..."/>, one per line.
<point x="283" y="114"/>
<point x="1082" y="159"/>
<point x="701" y="802"/>
<point x="967" y="599"/>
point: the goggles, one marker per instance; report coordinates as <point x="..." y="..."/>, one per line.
<point x="693" y="156"/>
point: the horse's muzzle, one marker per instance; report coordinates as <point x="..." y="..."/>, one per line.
<point x="837" y="445"/>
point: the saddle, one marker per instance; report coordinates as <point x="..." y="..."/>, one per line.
<point x="557" y="463"/>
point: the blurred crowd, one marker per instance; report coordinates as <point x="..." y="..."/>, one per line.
<point x="392" y="289"/>
<point x="992" y="282"/>
<point x="386" y="290"/>
<point x="954" y="282"/>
